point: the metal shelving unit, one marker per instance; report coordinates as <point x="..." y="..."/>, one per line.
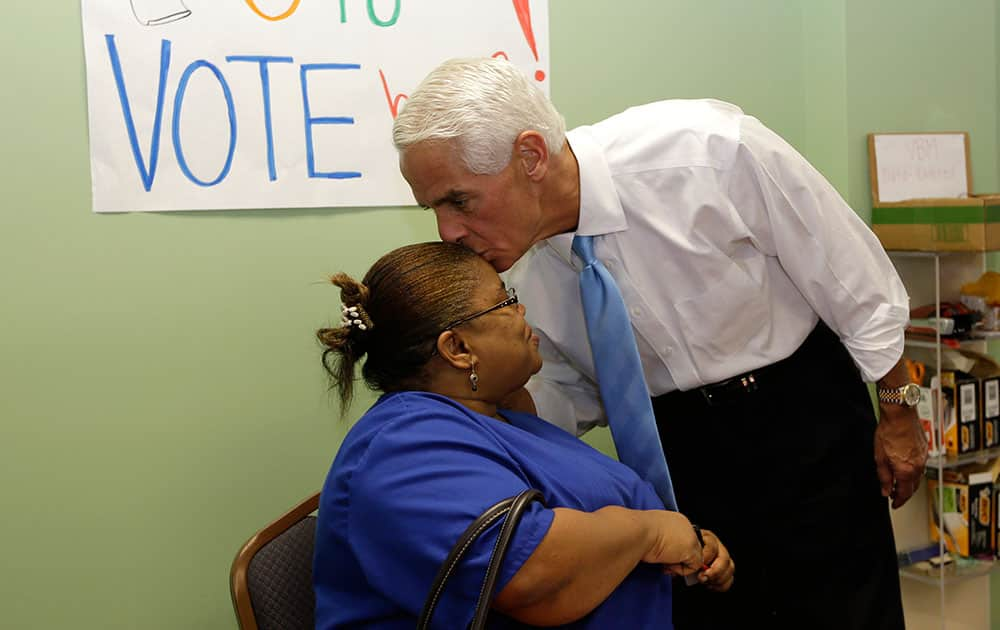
<point x="976" y="457"/>
<point x="961" y="587"/>
<point x="959" y="570"/>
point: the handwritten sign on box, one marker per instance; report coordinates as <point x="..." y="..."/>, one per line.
<point x="907" y="166"/>
<point x="203" y="104"/>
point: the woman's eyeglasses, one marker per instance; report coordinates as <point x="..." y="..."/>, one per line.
<point x="510" y="301"/>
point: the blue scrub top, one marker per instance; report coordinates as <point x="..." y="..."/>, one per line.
<point x="415" y="471"/>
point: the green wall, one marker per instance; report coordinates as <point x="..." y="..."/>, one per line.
<point x="608" y="56"/>
<point x="160" y="391"/>
<point x="922" y="64"/>
<point x="822" y="48"/>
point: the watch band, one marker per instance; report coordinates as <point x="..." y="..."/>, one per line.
<point x="898" y="395"/>
<point x="891" y="396"/>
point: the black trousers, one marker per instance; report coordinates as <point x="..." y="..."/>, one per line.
<point x="785" y="475"/>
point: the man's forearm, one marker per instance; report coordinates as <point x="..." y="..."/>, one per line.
<point x="896" y="377"/>
<point x="900" y="444"/>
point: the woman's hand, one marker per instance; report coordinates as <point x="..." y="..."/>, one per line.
<point x="719" y="574"/>
<point x="675" y="544"/>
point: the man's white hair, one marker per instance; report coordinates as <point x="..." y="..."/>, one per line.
<point x="482" y="105"/>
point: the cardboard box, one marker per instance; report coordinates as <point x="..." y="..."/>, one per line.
<point x="990" y="397"/>
<point x="922" y="195"/>
<point x="964" y="510"/>
<point x="961" y="419"/>
<point x="991" y="209"/>
<point x="942" y="225"/>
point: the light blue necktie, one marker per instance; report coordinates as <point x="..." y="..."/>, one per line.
<point x="619" y="374"/>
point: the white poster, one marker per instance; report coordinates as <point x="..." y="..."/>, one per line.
<point x="921" y="166"/>
<point x="219" y="104"/>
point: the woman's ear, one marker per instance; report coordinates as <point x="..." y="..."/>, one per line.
<point x="455" y="351"/>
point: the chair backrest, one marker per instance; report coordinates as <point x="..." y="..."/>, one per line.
<point x="271" y="576"/>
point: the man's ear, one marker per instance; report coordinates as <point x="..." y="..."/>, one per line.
<point x="455" y="351"/>
<point x="533" y="153"/>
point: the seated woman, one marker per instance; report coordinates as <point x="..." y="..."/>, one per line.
<point x="446" y="342"/>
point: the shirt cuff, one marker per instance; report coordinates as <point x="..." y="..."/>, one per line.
<point x="878" y="348"/>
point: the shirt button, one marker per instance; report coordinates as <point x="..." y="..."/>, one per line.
<point x="636" y="312"/>
<point x="667" y="351"/>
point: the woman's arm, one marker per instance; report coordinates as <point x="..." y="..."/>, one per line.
<point x="586" y="555"/>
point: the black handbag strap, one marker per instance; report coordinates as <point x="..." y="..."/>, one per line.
<point x="510" y="510"/>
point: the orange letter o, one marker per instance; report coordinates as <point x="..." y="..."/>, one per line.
<point x="273" y="18"/>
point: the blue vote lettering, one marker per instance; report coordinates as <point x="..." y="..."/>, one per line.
<point x="327" y="120"/>
<point x="146" y="164"/>
<point x="179" y="105"/>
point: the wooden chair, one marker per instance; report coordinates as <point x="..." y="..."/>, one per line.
<point x="271" y="576"/>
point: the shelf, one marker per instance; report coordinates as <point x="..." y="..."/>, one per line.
<point x="946" y="342"/>
<point x="976" y="337"/>
<point x="957" y="571"/>
<point x="981" y="457"/>
<point x="912" y="253"/>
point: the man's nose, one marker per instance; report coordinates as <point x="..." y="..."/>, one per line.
<point x="449" y="230"/>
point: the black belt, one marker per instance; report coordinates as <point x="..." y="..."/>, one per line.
<point x="731" y="389"/>
<point x="820" y="342"/>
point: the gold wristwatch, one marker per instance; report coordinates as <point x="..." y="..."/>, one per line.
<point x="908" y="395"/>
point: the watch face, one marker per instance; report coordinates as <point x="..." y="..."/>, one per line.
<point x="911" y="394"/>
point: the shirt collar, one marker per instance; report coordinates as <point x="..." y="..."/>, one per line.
<point x="600" y="209"/>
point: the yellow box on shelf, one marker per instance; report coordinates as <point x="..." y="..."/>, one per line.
<point x="963" y="509"/>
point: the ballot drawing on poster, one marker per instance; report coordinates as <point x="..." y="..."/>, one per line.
<point x="157" y="12"/>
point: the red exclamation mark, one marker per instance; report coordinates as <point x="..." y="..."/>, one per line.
<point x="524" y="17"/>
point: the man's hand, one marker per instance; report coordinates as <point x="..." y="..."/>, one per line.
<point x="900" y="452"/>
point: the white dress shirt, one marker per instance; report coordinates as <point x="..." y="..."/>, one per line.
<point x="726" y="244"/>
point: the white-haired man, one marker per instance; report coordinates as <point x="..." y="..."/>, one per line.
<point x="759" y="302"/>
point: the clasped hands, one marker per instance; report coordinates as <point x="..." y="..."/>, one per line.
<point x="679" y="551"/>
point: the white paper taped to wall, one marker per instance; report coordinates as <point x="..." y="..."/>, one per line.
<point x="210" y="105"/>
<point x="921" y="166"/>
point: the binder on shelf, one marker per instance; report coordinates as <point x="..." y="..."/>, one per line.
<point x="990" y="396"/>
<point x="962" y="432"/>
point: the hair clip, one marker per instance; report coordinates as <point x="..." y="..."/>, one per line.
<point x="351" y="317"/>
